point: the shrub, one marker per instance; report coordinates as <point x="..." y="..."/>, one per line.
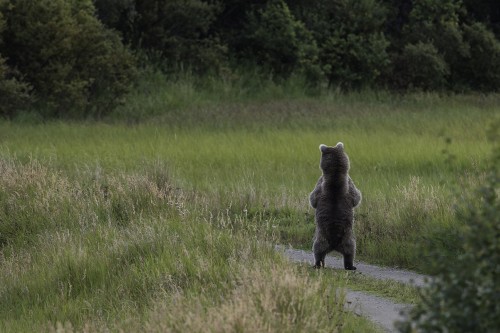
<point x="14" y="93"/>
<point x="463" y="297"/>
<point x="469" y="51"/>
<point x="481" y="69"/>
<point x="349" y="34"/>
<point x="485" y="11"/>
<point x="437" y="22"/>
<point x="75" y="65"/>
<point x="177" y="35"/>
<point x="278" y="42"/>
<point x="420" y="66"/>
<point x="118" y="14"/>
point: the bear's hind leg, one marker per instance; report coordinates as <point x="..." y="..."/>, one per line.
<point x="348" y="250"/>
<point x="320" y="249"/>
<point x="319" y="260"/>
<point x="349" y="262"/>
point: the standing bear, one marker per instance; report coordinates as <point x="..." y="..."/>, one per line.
<point x="334" y="199"/>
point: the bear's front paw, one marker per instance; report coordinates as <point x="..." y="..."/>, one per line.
<point x="350" y="268"/>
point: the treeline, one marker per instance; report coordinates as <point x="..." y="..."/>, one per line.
<point x="77" y="58"/>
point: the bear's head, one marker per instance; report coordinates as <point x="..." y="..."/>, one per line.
<point x="333" y="159"/>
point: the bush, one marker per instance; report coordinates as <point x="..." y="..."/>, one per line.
<point x="420" y="66"/>
<point x="119" y="15"/>
<point x="481" y="69"/>
<point x="278" y="42"/>
<point x="463" y="297"/>
<point x="432" y="35"/>
<point x="466" y="54"/>
<point x="349" y="34"/>
<point x="75" y="66"/>
<point x="14" y="93"/>
<point x="176" y="35"/>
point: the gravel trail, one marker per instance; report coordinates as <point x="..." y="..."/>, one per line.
<point x="381" y="311"/>
<point x="377" y="272"/>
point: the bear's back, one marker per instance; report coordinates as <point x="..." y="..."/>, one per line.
<point x="334" y="213"/>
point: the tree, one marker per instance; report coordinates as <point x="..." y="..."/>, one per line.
<point x="175" y="33"/>
<point x="277" y="42"/>
<point x="438" y="23"/>
<point x="119" y="15"/>
<point x="469" y="50"/>
<point x="486" y="12"/>
<point x="14" y="93"/>
<point x="420" y="66"/>
<point x="231" y="21"/>
<point x="349" y="34"/>
<point x="481" y="68"/>
<point x="75" y="65"/>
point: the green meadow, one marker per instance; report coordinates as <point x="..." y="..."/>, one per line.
<point x="168" y="222"/>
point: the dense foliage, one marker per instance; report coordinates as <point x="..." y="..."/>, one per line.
<point x="463" y="297"/>
<point x="14" y="93"/>
<point x="74" y="58"/>
<point x="73" y="63"/>
<point x="352" y="45"/>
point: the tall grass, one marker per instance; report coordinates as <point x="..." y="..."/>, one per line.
<point x="93" y="251"/>
<point x="169" y="224"/>
<point x="262" y="160"/>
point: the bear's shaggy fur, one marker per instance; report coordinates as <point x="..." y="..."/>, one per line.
<point x="334" y="198"/>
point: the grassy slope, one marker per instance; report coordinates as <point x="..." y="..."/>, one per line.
<point x="96" y="217"/>
<point x="94" y="250"/>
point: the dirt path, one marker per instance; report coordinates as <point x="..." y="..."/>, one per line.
<point x="378" y="309"/>
<point x="381" y="273"/>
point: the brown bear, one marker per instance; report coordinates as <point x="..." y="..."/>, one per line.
<point x="334" y="199"/>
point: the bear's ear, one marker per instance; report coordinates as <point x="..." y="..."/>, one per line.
<point x="339" y="145"/>
<point x="323" y="148"/>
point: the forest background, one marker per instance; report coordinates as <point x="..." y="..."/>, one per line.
<point x="78" y="59"/>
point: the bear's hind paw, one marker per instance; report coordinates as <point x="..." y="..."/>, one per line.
<point x="319" y="264"/>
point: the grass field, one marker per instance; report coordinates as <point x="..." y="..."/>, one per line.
<point x="169" y="224"/>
